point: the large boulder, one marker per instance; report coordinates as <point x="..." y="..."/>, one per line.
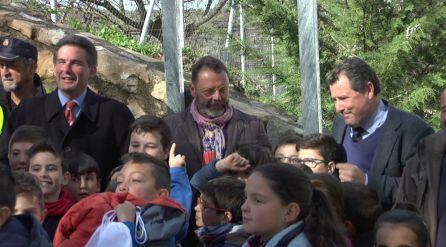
<point x="133" y="79"/>
<point x="129" y="77"/>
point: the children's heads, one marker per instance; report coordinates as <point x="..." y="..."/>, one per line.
<point x="400" y="227"/>
<point x="21" y="140"/>
<point x="276" y="197"/>
<point x="361" y="208"/>
<point x="220" y="202"/>
<point x="287" y="149"/>
<point x="7" y="194"/>
<point x="45" y="162"/>
<point x="143" y="176"/>
<point x="85" y="175"/>
<point x="320" y="152"/>
<point x="150" y="135"/>
<point x="256" y="155"/>
<point x="29" y="196"/>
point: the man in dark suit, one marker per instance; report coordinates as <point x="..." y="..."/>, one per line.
<point x="76" y="118"/>
<point x="378" y="139"/>
<point x="210" y="124"/>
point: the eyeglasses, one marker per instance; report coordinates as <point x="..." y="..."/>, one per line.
<point x="200" y="202"/>
<point x="312" y="162"/>
<point x="210" y="91"/>
<point x="288" y="160"/>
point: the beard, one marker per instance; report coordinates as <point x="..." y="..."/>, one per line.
<point x="9" y="85"/>
<point x="212" y="109"/>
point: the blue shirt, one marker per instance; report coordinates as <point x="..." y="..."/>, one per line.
<point x="378" y="119"/>
<point x="79" y="101"/>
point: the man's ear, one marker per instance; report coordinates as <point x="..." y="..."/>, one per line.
<point x="5" y="213"/>
<point x="163" y="192"/>
<point x="370" y="90"/>
<point x="93" y="71"/>
<point x="292" y="213"/>
<point x="33" y="67"/>
<point x="192" y="89"/>
<point x="66" y="178"/>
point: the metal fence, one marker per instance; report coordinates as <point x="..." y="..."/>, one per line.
<point x="209" y="38"/>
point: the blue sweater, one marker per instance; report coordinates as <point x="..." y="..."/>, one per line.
<point x="361" y="153"/>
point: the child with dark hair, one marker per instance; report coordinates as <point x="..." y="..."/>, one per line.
<point x="18" y="230"/>
<point x="85" y="175"/>
<point x="29" y="196"/>
<point x="320" y="152"/>
<point x="401" y="227"/>
<point x="21" y="140"/>
<point x="362" y="208"/>
<point x="282" y="208"/>
<point x="45" y="162"/>
<point x="256" y="155"/>
<point x="151" y="135"/>
<point x="143" y="181"/>
<point x="218" y="213"/>
<point x="287" y="149"/>
<point x="331" y="187"/>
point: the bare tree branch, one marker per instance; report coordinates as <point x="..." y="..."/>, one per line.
<point x="193" y="26"/>
<point x="208" y="7"/>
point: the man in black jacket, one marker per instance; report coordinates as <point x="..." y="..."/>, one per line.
<point x="18" y="64"/>
<point x="76" y="118"/>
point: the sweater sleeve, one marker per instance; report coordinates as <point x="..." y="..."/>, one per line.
<point x="206" y="173"/>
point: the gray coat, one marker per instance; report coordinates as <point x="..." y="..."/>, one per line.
<point x="400" y="135"/>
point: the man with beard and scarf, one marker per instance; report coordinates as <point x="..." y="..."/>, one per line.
<point x="18" y="63"/>
<point x="210" y="124"/>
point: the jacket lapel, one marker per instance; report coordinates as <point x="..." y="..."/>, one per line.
<point x="90" y="107"/>
<point x="190" y="130"/>
<point x="54" y="114"/>
<point x="387" y="141"/>
<point x="232" y="134"/>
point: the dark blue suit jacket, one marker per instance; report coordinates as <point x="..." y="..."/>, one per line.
<point x="401" y="133"/>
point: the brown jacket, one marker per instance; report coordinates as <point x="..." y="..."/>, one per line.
<point x="421" y="179"/>
<point x="241" y="129"/>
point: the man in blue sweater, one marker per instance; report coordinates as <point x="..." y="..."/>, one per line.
<point x="378" y="139"/>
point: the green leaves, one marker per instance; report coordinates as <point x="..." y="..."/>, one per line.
<point x="405" y="41"/>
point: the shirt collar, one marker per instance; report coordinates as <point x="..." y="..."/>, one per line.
<point x="79" y="100"/>
<point x="378" y="118"/>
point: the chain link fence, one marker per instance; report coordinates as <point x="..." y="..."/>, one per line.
<point x="126" y="19"/>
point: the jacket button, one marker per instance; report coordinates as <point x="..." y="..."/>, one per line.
<point x="67" y="149"/>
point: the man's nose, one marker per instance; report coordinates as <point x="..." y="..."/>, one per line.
<point x="216" y="96"/>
